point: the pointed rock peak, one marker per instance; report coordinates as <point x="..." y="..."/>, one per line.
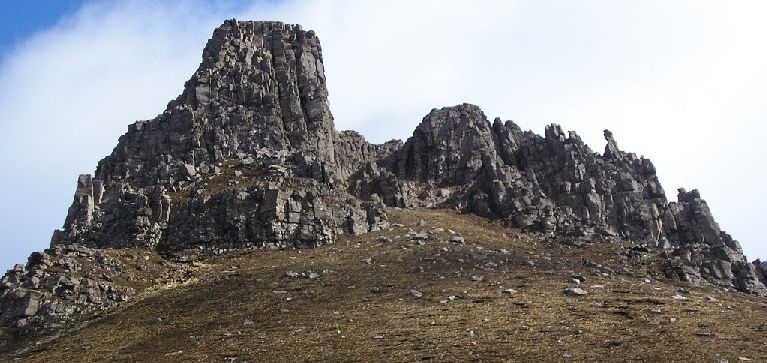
<point x="448" y="147"/>
<point x="611" y="150"/>
<point x="260" y="86"/>
<point x="459" y="116"/>
<point x="249" y="33"/>
<point x="555" y="132"/>
<point x="761" y="270"/>
<point x="684" y="196"/>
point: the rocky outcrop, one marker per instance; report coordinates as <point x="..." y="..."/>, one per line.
<point x="451" y="146"/>
<point x="222" y="164"/>
<point x="701" y="252"/>
<point x="761" y="270"/>
<point x="248" y="156"/>
<point x="555" y="183"/>
<point x="65" y="282"/>
<point x="244" y="157"/>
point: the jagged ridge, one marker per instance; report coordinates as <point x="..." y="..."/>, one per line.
<point x="248" y="156"/>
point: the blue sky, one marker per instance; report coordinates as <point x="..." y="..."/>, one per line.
<point x="682" y="82"/>
<point x="20" y="19"/>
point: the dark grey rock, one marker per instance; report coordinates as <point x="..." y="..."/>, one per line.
<point x="556" y="184"/>
<point x="248" y="156"/>
<point x="259" y="97"/>
<point x="457" y="239"/>
<point x="420" y="236"/>
<point x="761" y="270"/>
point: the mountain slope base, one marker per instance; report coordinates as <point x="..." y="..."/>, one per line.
<point x="352" y="301"/>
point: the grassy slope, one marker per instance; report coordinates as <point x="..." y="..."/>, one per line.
<point x="246" y="308"/>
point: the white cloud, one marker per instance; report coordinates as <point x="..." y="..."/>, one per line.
<point x="681" y="82"/>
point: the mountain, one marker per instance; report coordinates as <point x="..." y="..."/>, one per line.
<point x="248" y="158"/>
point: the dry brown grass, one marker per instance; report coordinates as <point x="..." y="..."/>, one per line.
<point x="220" y="183"/>
<point x="246" y="309"/>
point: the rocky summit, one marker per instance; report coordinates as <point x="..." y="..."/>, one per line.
<point x="247" y="158"/>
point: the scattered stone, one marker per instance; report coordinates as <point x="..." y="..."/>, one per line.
<point x="384" y="239"/>
<point x="420" y="236"/>
<point x="417" y="269"/>
<point x="575" y="291"/>
<point x="577" y="279"/>
<point x="416" y="294"/>
<point x="457" y="239"/>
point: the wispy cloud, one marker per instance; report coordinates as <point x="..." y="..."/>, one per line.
<point x="681" y="82"/>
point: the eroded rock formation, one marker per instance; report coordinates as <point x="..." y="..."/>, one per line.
<point x="555" y="183"/>
<point x="248" y="156"/>
<point x="244" y="156"/>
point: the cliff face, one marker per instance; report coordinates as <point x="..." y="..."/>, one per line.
<point x="248" y="156"/>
